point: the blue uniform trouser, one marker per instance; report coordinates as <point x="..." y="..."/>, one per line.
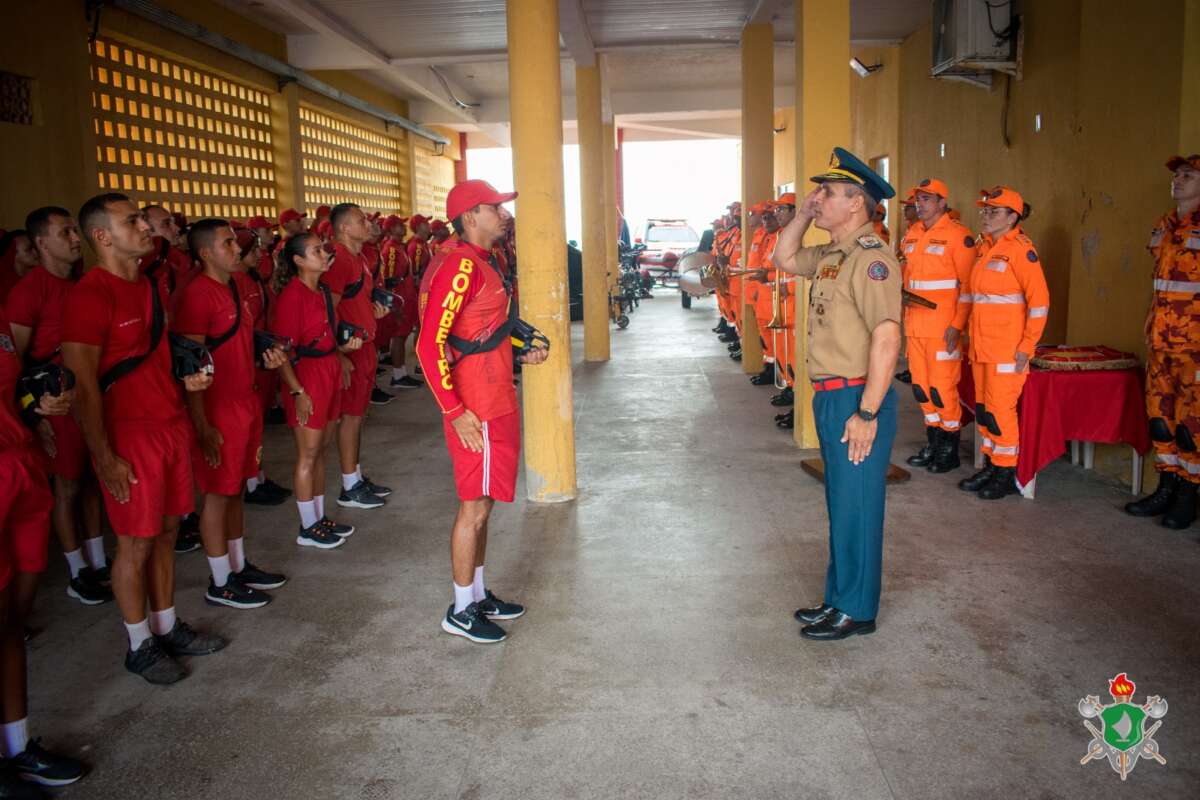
<point x="854" y="495"/>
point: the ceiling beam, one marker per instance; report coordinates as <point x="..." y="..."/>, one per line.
<point x="418" y="80"/>
<point x="572" y="24"/>
<point x="764" y="11"/>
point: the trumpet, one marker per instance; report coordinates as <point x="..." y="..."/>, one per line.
<point x="777" y="324"/>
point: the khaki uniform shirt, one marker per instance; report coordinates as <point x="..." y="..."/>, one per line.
<point x="856" y="286"/>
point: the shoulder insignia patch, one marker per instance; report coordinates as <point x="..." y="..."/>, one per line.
<point x="878" y="271"/>
<point x="968" y="242"/>
<point x="1032" y="256"/>
<point x="870" y="241"/>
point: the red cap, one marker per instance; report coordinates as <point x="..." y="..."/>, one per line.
<point x="236" y="224"/>
<point x="323" y="211"/>
<point x="324" y="228"/>
<point x="932" y="186"/>
<point x="416" y="221"/>
<point x="246" y="240"/>
<point x="437" y="225"/>
<point x="468" y="194"/>
<point x="393" y="221"/>
<point x="259" y="222"/>
<point x="1175" y="162"/>
<point x="290" y="215"/>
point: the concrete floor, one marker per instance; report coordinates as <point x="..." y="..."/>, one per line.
<point x="659" y="658"/>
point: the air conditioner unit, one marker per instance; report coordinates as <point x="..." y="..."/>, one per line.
<point x="972" y="39"/>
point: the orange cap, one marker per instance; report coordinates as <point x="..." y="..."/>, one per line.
<point x="786" y="199"/>
<point x="933" y="186"/>
<point x="1175" y="162"/>
<point x="910" y="199"/>
<point x="1001" y="196"/>
<point x="759" y="208"/>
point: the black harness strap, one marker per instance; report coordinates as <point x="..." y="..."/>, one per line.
<point x="212" y="343"/>
<point x="128" y="365"/>
<point x="469" y="347"/>
<point x="311" y="350"/>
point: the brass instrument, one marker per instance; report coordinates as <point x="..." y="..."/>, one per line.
<point x="692" y="269"/>
<point x="778" y="295"/>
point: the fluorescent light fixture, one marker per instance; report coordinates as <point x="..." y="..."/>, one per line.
<point x="862" y="69"/>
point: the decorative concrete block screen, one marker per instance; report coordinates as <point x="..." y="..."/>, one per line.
<point x="344" y="162"/>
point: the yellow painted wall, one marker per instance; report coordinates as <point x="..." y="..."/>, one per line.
<point x="785" y="146"/>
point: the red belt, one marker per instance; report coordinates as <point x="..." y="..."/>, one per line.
<point x="829" y="384"/>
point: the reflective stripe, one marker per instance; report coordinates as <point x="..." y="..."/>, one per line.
<point x="918" y="285"/>
<point x="487" y="461"/>
<point x="1182" y="287"/>
<point x="932" y="418"/>
<point x="936" y="249"/>
<point x="1167" y="458"/>
<point x="1038" y="311"/>
<point x="1005" y="451"/>
<point x="1192" y="467"/>
<point x="966" y="298"/>
<point x="951" y="425"/>
<point x="997" y="266"/>
<point x="1197" y="377"/>
<point x="1006" y="368"/>
<point x="987" y="442"/>
<point x="942" y="355"/>
<point x="999" y="299"/>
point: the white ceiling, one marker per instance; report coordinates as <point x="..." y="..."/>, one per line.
<point x="671" y="67"/>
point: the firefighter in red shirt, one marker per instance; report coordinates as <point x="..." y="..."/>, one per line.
<point x="169" y="257"/>
<point x="350" y="282"/>
<point x="25" y="508"/>
<point x="467" y="312"/>
<point x="419" y="249"/>
<point x="212" y="310"/>
<point x="131" y="411"/>
<point x="35" y="312"/>
<point x="397" y="273"/>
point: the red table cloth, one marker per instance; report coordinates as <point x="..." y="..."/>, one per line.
<point x="1106" y="406"/>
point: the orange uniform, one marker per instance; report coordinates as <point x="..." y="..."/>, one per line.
<point x="733" y="252"/>
<point x="937" y="266"/>
<point x="1009" y="304"/>
<point x="761" y="295"/>
<point x="1173" y="366"/>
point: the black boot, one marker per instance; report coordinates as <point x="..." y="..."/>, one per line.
<point x="722" y="326"/>
<point x="1182" y="513"/>
<point x="924" y="456"/>
<point x="945" y="452"/>
<point x="788" y="421"/>
<point x="1159" y="501"/>
<point x="1002" y="483"/>
<point x="784" y="398"/>
<point x="765" y="377"/>
<point x="730" y="336"/>
<point x="736" y="344"/>
<point x="979" y="479"/>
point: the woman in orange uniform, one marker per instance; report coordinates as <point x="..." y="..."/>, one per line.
<point x="1009" y="306"/>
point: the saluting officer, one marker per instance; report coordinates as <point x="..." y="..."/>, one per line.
<point x="854" y="339"/>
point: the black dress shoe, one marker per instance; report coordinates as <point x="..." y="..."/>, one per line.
<point x="837" y="625"/>
<point x="811" y="616"/>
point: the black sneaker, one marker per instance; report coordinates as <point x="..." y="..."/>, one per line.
<point x="262" y="496"/>
<point x="235" y="594"/>
<point x="87" y="589"/>
<point x="317" y="535"/>
<point x="470" y="623"/>
<point x="256" y="578"/>
<point x="359" y="496"/>
<point x="336" y="528"/>
<point x="186" y="541"/>
<point x="376" y="489"/>
<point x="274" y="488"/>
<point x="39" y="766"/>
<point x="407" y="382"/>
<point x="154" y="664"/>
<point x="183" y="640"/>
<point x="493" y="607"/>
<point x="379" y="397"/>
<point x="275" y="416"/>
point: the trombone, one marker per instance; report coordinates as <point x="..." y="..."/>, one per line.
<point x="777" y="324"/>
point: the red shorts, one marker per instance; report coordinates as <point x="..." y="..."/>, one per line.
<point x="493" y="472"/>
<point x="25" y="504"/>
<point x="322" y="382"/>
<point x="386" y="330"/>
<point x="70" y="459"/>
<point x="241" y="426"/>
<point x="267" y="381"/>
<point x="362" y="380"/>
<point x="409" y="317"/>
<point x="160" y="456"/>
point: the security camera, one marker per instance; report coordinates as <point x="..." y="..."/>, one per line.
<point x="862" y="69"/>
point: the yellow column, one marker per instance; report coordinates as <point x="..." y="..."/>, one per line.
<point x="611" y="258"/>
<point x="285" y="143"/>
<point x="822" y="123"/>
<point x="1189" y="106"/>
<point x="591" y="191"/>
<point x="758" y="154"/>
<point x="535" y="106"/>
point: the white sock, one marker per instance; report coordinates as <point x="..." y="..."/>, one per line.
<point x="95" y="552"/>
<point x="220" y="569"/>
<point x="463" y="597"/>
<point x="237" y="553"/>
<point x="398" y="373"/>
<point x="16" y="737"/>
<point x="477" y="586"/>
<point x="162" y="622"/>
<point x="308" y="512"/>
<point x="138" y="633"/>
<point x="251" y="484"/>
<point x="348" y="481"/>
<point x="75" y="561"/>
<point x="319" y="499"/>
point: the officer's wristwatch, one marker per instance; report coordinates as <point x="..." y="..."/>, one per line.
<point x="866" y="415"/>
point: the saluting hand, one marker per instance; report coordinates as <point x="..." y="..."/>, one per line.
<point x="470" y="431"/>
<point x="861" y="435"/>
<point x="116" y="475"/>
<point x="808" y="206"/>
<point x="197" y="382"/>
<point x="535" y="356"/>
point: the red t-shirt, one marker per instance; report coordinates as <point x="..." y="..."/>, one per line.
<point x="37" y="302"/>
<point x="464" y="295"/>
<point x="205" y="307"/>
<point x="12" y="433"/>
<point x="418" y="254"/>
<point x="300" y="314"/>
<point x="256" y="296"/>
<point x="179" y="263"/>
<point x="114" y="314"/>
<point x="394" y="264"/>
<point x="346" y="271"/>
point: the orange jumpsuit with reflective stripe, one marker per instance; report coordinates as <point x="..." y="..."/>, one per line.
<point x="1009" y="304"/>
<point x="937" y="266"/>
<point x="758" y="294"/>
<point x="1173" y="365"/>
<point x="733" y="252"/>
